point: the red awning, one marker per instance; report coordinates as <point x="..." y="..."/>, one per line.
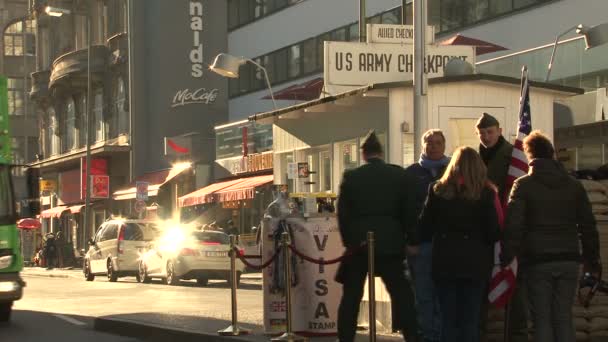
<point x="205" y="195"/>
<point x="28" y="223"/>
<point x="306" y="91"/>
<point x="75" y="209"/>
<point x="243" y="190"/>
<point x="53" y="212"/>
<point x="155" y="180"/>
<point x="482" y="47"/>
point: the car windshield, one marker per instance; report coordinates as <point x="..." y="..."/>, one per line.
<point x="7" y="201"/>
<point x="220" y="238"/>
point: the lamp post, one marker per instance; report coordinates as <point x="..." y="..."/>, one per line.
<point x="58" y="12"/>
<point x="228" y="66"/>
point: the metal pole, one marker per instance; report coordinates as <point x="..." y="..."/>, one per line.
<point x="419" y="77"/>
<point x="131" y="80"/>
<point x="288" y="335"/>
<point x="234" y="329"/>
<point x="550" y="66"/>
<point x="267" y="79"/>
<point x="87" y="202"/>
<point x="403" y="11"/>
<point x="362" y="28"/>
<point x="371" y="285"/>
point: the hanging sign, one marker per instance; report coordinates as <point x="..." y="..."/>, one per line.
<point x="396" y="34"/>
<point x="353" y="64"/>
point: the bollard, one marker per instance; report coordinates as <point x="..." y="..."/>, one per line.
<point x="371" y="286"/>
<point x="288" y="335"/>
<point x="233" y="329"/>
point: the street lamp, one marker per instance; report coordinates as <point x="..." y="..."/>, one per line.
<point x="228" y="66"/>
<point x="58" y="12"/>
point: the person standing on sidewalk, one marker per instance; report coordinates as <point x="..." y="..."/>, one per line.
<point x="461" y="216"/>
<point x="376" y="197"/>
<point x="496" y="152"/>
<point x="429" y="169"/>
<point x="548" y="213"/>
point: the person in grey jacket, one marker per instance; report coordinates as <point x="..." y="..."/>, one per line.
<point x="548" y="213"/>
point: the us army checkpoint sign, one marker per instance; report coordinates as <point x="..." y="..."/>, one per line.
<point x="358" y="64"/>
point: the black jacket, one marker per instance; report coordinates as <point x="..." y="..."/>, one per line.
<point x="377" y="197"/>
<point x="423" y="178"/>
<point x="547" y="211"/>
<point x="464" y="233"/>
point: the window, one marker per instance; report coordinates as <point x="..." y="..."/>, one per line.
<point x="293" y="62"/>
<point x="309" y="56"/>
<point x="82" y="120"/>
<point x="211" y="237"/>
<point x="392" y="17"/>
<point x="242" y="12"/>
<point x="280" y="66"/>
<point x="80" y="24"/>
<point x="70" y="126"/>
<point x="19" y="38"/>
<point x="18" y="152"/>
<point x="121" y="113"/>
<point x="54" y="132"/>
<point x="7" y="200"/>
<point x="109" y="233"/>
<point x="132" y="232"/>
<point x="16" y="92"/>
<point x="100" y="130"/>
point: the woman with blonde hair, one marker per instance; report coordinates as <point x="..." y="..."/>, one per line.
<point x="461" y="215"/>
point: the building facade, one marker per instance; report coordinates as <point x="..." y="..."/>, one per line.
<point x="153" y="103"/>
<point x="17" y="61"/>
<point x="294" y="54"/>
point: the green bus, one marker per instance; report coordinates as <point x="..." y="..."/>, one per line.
<point x="11" y="260"/>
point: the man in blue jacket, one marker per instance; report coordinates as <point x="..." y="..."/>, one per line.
<point x="427" y="170"/>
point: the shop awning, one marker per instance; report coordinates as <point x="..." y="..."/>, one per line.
<point x="205" y="195"/>
<point x="53" y="212"/>
<point x="304" y="91"/>
<point x="482" y="47"/>
<point x="75" y="209"/>
<point x="243" y="190"/>
<point x="155" y="180"/>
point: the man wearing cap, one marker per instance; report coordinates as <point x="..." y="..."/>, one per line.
<point x="496" y="152"/>
<point x="377" y="197"/>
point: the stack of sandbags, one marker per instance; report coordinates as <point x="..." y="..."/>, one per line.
<point x="597" y="192"/>
<point x="597" y="316"/>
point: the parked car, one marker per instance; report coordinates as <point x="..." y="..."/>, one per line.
<point x="117" y="247"/>
<point x="200" y="255"/>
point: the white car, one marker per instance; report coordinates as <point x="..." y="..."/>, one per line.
<point x="200" y="255"/>
<point x="117" y="247"/>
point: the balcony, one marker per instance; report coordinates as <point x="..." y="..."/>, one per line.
<point x="119" y="49"/>
<point x="40" y="85"/>
<point x="70" y="70"/>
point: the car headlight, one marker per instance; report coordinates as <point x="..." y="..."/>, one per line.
<point x="8" y="286"/>
<point x="6" y="261"/>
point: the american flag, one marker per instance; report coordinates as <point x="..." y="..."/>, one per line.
<point x="502" y="282"/>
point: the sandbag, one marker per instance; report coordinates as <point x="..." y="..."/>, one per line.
<point x="598" y="324"/>
<point x="597" y="311"/>
<point x="599" y="208"/>
<point x="582" y="336"/>
<point x="581" y="324"/>
<point x="599" y="217"/>
<point x="597" y="197"/>
<point x="593" y="186"/>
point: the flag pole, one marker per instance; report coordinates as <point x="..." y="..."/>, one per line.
<point x="506" y="331"/>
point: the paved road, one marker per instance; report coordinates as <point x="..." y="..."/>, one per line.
<point x="48" y="301"/>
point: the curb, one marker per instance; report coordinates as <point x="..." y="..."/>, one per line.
<point x="51" y="274"/>
<point x="150" y="332"/>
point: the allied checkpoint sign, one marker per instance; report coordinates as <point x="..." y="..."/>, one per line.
<point x="358" y="64"/>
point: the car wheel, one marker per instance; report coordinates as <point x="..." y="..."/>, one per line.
<point x="142" y="275"/>
<point x="5" y="311"/>
<point x="88" y="275"/>
<point x="112" y="276"/>
<point x="171" y="279"/>
<point x="238" y="279"/>
<point x="202" y="281"/>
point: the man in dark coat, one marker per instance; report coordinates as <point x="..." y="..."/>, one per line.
<point x="427" y="170"/>
<point x="549" y="221"/>
<point x="377" y="197"/>
<point x="496" y="153"/>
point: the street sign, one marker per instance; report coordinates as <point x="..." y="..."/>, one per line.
<point x="142" y="191"/>
<point x="140" y="206"/>
<point x="292" y="170"/>
<point x="100" y="186"/>
<point x="396" y="34"/>
<point x="48" y="185"/>
<point x="359" y="64"/>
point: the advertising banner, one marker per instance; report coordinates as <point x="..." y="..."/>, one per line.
<point x="100" y="186"/>
<point x="352" y="64"/>
<point x="142" y="191"/>
<point x="99" y="167"/>
<point x="315" y="295"/>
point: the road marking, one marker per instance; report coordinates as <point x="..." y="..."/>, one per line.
<point x="70" y="320"/>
